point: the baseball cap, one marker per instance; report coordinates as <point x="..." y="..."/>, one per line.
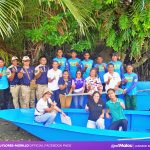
<point x="25" y="58"/>
<point x="47" y="90"/>
<point x="14" y="58"/>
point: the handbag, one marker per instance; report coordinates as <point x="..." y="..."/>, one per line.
<point x="33" y="84"/>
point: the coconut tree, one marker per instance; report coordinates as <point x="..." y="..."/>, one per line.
<point x="9" y="11"/>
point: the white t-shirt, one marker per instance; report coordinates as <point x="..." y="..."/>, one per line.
<point x="51" y="74"/>
<point x="113" y="82"/>
<point x="41" y="106"/>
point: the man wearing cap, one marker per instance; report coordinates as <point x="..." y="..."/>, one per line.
<point x="41" y="77"/>
<point x="27" y="75"/>
<point x="118" y="66"/>
<point x="14" y="81"/>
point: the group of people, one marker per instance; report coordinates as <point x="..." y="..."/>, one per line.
<point x="28" y="83"/>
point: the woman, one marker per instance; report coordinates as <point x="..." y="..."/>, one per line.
<point x="46" y="110"/>
<point x="93" y="83"/>
<point x="96" y="112"/>
<point x="64" y="84"/>
<point x="78" y="86"/>
<point x="115" y="106"/>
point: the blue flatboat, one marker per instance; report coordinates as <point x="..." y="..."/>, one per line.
<point x="138" y="128"/>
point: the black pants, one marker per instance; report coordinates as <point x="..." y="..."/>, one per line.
<point x="120" y="123"/>
<point x="5" y="99"/>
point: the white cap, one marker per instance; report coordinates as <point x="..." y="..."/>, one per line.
<point x="14" y="58"/>
<point x="25" y="58"/>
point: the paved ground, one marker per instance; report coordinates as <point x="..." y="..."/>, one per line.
<point x="10" y="132"/>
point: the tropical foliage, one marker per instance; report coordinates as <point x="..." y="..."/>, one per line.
<point x="123" y="25"/>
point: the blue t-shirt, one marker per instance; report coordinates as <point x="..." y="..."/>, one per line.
<point x="89" y="63"/>
<point x="3" y="79"/>
<point x="72" y="66"/>
<point x="118" y="67"/>
<point x="131" y="84"/>
<point x="16" y="80"/>
<point x="101" y="70"/>
<point x="43" y="78"/>
<point x="68" y="83"/>
<point x="25" y="80"/>
<point x="63" y="63"/>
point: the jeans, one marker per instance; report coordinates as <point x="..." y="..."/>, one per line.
<point x="119" y="123"/>
<point x="96" y="124"/>
<point x="6" y="99"/>
<point x="78" y="101"/>
<point x="55" y="97"/>
<point x="47" y="118"/>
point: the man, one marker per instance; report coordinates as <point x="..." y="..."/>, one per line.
<point x="53" y="77"/>
<point x="87" y="65"/>
<point x="4" y="86"/>
<point x="74" y="64"/>
<point x="27" y="76"/>
<point x="12" y="74"/>
<point x="115" y="106"/>
<point x="130" y="82"/>
<point x="118" y="67"/>
<point x="41" y="77"/>
<point x="101" y="68"/>
<point x="111" y="78"/>
<point x="63" y="63"/>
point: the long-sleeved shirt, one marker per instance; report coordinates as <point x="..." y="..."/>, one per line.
<point x="130" y="86"/>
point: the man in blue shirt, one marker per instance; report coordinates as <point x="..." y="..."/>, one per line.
<point x="14" y="81"/>
<point x="62" y="61"/>
<point x="118" y="66"/>
<point x="41" y="77"/>
<point x="27" y="76"/>
<point x="101" y="68"/>
<point x="87" y="65"/>
<point x="74" y="64"/>
<point x="4" y="86"/>
<point x="130" y="91"/>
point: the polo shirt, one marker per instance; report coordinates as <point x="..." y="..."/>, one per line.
<point x="68" y="83"/>
<point x="43" y="78"/>
<point x="113" y="82"/>
<point x="3" y="79"/>
<point x="16" y="80"/>
<point x="25" y="80"/>
<point x="116" y="110"/>
<point x="51" y="74"/>
<point x="95" y="109"/>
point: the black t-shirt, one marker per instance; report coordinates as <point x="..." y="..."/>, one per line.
<point x="95" y="109"/>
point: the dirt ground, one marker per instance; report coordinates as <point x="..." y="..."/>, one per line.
<point x="10" y="132"/>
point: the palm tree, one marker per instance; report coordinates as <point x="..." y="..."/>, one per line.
<point x="9" y="12"/>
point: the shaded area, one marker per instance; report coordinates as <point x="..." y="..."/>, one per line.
<point x="10" y="132"/>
